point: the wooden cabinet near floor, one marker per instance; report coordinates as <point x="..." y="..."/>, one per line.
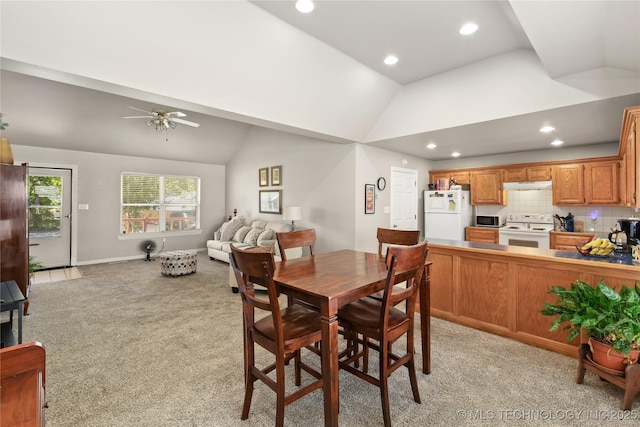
<point x="14" y="244"/>
<point x="502" y="291"/>
<point x="481" y="234"/>
<point x="568" y="241"/>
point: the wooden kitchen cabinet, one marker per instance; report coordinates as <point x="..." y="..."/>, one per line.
<point x="601" y="183"/>
<point x="568" y="241"/>
<point x="527" y="173"/>
<point x="486" y="187"/>
<point x="630" y="155"/>
<point x="481" y="234"/>
<point x="568" y="184"/>
<point x="461" y="177"/>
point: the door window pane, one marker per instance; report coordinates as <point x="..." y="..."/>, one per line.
<point x="45" y="206"/>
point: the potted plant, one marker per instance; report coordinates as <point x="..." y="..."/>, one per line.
<point x="6" y="155"/>
<point x="33" y="267"/>
<point x="610" y="319"/>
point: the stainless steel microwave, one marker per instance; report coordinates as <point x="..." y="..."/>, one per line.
<point x="489" y="220"/>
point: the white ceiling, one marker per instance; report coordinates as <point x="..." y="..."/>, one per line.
<point x="326" y="71"/>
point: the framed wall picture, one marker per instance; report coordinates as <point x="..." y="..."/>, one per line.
<point x="263" y="177"/>
<point x="271" y="201"/>
<point x="276" y="175"/>
<point x="369" y="198"/>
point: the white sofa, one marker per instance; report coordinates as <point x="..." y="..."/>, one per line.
<point x="245" y="233"/>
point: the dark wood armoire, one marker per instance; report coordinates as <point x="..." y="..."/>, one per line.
<point x="14" y="232"/>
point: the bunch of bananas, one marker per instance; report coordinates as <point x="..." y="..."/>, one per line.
<point x="598" y="247"/>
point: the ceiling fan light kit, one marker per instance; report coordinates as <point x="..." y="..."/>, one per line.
<point x="163" y="120"/>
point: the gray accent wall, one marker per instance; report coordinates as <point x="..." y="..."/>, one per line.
<point x="97" y="230"/>
<point x="326" y="179"/>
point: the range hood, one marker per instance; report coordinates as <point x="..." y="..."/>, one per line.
<point x="527" y="185"/>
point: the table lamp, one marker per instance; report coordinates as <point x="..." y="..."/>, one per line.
<point x="292" y="213"/>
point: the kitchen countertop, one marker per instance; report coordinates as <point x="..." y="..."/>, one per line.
<point x="615" y="259"/>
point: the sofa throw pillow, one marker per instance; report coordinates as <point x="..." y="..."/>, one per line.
<point x="259" y="224"/>
<point x="218" y="234"/>
<point x="231" y="228"/>
<point x="266" y="235"/>
<point x="241" y="233"/>
<point x="252" y="236"/>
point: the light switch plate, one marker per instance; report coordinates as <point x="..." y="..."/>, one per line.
<point x="83" y="206"/>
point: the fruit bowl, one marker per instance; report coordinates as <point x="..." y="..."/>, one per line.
<point x="600" y="248"/>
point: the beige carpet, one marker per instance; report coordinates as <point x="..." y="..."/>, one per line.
<point x="128" y="347"/>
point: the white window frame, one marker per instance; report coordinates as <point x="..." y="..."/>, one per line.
<point x="162" y="208"/>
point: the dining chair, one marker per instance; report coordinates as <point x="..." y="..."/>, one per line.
<point x="389" y="236"/>
<point x="283" y="332"/>
<point x="296" y="239"/>
<point x="381" y="323"/>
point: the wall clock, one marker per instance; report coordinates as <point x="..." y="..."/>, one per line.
<point x="382" y="183"/>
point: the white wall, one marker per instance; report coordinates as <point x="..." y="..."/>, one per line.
<point x="98" y="229"/>
<point x="372" y="163"/>
<point x="326" y="179"/>
<point x="316" y="175"/>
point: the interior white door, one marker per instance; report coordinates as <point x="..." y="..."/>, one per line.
<point x="404" y="199"/>
<point x="50" y="216"/>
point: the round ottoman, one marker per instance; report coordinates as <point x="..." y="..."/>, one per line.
<point x="178" y="263"/>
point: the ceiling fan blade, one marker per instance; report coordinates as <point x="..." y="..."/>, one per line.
<point x="186" y="122"/>
<point x="176" y="114"/>
<point x="144" y="111"/>
<point x="138" y="117"/>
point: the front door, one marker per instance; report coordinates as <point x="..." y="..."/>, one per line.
<point x="50" y="216"/>
<point x="404" y="199"/>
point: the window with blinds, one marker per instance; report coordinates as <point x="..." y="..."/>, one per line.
<point x="158" y="203"/>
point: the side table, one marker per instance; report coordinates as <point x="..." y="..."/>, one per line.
<point x="629" y="380"/>
<point x="11" y="298"/>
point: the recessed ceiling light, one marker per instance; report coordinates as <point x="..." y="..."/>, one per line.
<point x="431" y="146"/>
<point x="455" y="154"/>
<point x="468" y="28"/>
<point x="304" y="6"/>
<point x="557" y="142"/>
<point x="547" y="129"/>
<point x="391" y="60"/>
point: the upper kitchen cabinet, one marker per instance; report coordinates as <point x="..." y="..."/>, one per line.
<point x="568" y="184"/>
<point x="601" y="183"/>
<point x="630" y="154"/>
<point x="460" y="177"/>
<point x="527" y="173"/>
<point x="486" y="187"/>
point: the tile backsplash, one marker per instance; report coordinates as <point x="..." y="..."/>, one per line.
<point x="595" y="218"/>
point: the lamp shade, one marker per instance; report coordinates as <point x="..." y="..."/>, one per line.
<point x="292" y="213"/>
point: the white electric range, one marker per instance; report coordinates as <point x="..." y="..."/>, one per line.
<point x="530" y="230"/>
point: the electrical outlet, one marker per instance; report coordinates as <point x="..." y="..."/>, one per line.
<point x="164" y="239"/>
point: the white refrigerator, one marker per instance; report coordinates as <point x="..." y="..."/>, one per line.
<point x="446" y="214"/>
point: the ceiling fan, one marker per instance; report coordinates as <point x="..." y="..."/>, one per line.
<point x="162" y="119"/>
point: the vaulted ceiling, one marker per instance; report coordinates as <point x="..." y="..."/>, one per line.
<point x="70" y="70"/>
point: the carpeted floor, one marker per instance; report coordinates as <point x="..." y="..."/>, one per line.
<point x="129" y="347"/>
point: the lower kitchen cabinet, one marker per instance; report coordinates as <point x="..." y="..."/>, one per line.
<point x="568" y="241"/>
<point x="481" y="234"/>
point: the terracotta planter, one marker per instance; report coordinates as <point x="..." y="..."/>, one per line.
<point x="6" y="155"/>
<point x="607" y="357"/>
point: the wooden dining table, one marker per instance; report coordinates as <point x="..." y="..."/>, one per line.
<point x="330" y="280"/>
